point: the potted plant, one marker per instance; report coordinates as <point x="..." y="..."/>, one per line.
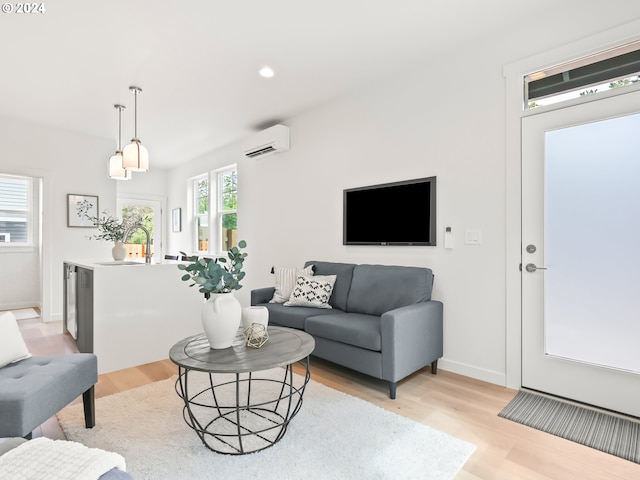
<point x="215" y="275"/>
<point x="217" y="278"/>
<point x="112" y="229"/>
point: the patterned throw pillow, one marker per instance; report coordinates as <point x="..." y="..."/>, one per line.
<point x="286" y="281"/>
<point x="312" y="291"/>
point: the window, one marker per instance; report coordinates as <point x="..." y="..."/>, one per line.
<point x="607" y="70"/>
<point x="16" y="210"/>
<point x="201" y="209"/>
<point x="228" y="208"/>
<point x="215" y="199"/>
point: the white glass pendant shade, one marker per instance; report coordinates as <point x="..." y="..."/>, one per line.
<point x="135" y="157"/>
<point x="116" y="170"/>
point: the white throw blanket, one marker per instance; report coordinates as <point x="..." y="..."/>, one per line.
<point x="42" y="458"/>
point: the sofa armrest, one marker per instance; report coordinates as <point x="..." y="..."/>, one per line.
<point x="262" y="295"/>
<point x="412" y="337"/>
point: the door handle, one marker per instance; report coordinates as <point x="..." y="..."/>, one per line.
<point x="532" y="268"/>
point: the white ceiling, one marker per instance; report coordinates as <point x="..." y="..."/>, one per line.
<point x="197" y="61"/>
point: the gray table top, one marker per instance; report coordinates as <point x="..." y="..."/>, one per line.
<point x="284" y="347"/>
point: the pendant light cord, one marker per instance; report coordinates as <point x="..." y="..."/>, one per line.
<point x="135" y="114"/>
<point x="120" y="128"/>
<point x="136" y="91"/>
<point x="120" y="108"/>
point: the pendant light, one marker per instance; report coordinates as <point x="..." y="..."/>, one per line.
<point x="116" y="170"/>
<point x="135" y="157"/>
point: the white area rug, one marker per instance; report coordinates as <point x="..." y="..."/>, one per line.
<point x="25" y="313"/>
<point x="334" y="436"/>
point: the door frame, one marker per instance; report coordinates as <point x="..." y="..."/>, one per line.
<point x="164" y="222"/>
<point x="545" y="368"/>
<point x="514" y="74"/>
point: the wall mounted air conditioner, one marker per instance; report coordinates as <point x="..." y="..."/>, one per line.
<point x="267" y="142"/>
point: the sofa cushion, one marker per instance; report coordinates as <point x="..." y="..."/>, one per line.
<point x="343" y="273"/>
<point x="286" y="281"/>
<point x="293" y="317"/>
<point x="312" y="291"/>
<point x="350" y="328"/>
<point x="376" y="289"/>
<point x="12" y="346"/>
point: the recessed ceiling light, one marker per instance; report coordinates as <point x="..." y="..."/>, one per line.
<point x="267" y="72"/>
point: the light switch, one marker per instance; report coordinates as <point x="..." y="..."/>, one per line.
<point x="473" y="236"/>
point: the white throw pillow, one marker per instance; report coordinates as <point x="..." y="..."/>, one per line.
<point x="312" y="291"/>
<point x="12" y="346"/>
<point x="286" y="281"/>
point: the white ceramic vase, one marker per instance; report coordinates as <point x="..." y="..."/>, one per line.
<point x="119" y="251"/>
<point x="221" y="316"/>
<point x="251" y="315"/>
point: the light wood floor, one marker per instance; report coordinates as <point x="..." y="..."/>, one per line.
<point x="458" y="405"/>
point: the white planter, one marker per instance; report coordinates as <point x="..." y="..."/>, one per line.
<point x="221" y="316"/>
<point x="119" y="251"/>
<point x="251" y="315"/>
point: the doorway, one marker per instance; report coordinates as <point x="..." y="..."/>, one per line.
<point x="580" y="225"/>
<point x="150" y="210"/>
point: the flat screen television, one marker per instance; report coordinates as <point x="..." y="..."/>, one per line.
<point x="399" y="213"/>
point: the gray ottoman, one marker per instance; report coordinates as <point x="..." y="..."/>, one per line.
<point x="34" y="389"/>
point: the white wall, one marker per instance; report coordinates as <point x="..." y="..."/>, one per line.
<point x="68" y="163"/>
<point x="448" y="120"/>
<point x="151" y="183"/>
<point x="399" y="130"/>
<point x="290" y="207"/>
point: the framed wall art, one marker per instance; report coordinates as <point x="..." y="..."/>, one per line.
<point x="79" y="207"/>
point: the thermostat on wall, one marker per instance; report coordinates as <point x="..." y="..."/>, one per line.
<point x="448" y="237"/>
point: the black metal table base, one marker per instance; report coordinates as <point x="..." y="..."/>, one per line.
<point x="240" y="413"/>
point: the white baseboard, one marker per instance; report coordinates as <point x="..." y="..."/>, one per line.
<point x="491" y="376"/>
<point x="16" y="306"/>
<point x="56" y="317"/>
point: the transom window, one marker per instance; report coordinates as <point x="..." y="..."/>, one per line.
<point x="16" y="210"/>
<point x="615" y="68"/>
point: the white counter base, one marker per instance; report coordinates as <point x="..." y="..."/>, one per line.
<point x="140" y="312"/>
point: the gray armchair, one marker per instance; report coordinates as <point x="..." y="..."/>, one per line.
<point x="36" y="388"/>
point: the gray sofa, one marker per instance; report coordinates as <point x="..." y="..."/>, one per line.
<point x="382" y="322"/>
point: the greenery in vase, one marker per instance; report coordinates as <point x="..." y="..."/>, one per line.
<point x="110" y="228"/>
<point x="215" y="275"/>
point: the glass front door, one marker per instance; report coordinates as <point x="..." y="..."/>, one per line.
<point x="581" y="222"/>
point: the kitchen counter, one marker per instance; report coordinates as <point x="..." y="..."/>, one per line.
<point x="138" y="311"/>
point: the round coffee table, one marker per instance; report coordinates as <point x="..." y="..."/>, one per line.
<point x="236" y="399"/>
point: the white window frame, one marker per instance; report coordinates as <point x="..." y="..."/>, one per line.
<point x="196" y="215"/>
<point x="219" y="211"/>
<point x="29" y="213"/>
<point x="215" y="209"/>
